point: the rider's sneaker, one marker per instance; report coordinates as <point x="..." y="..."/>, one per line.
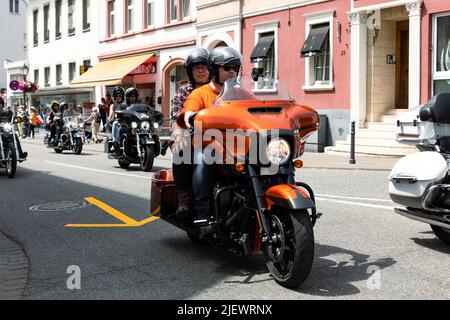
<point x="23" y="156"/>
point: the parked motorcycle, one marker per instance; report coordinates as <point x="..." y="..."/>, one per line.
<point x="258" y="205"/>
<point x="139" y="143"/>
<point x="420" y="182"/>
<point x="8" y="144"/>
<point x="69" y="134"/>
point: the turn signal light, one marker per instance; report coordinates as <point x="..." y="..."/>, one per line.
<point x="298" y="164"/>
<point x="239" y="167"/>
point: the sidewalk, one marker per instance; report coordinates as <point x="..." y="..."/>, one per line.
<point x="13" y="270"/>
<point x="311" y="160"/>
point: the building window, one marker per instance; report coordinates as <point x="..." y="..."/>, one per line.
<point x="265" y="57"/>
<point x="129" y="23"/>
<point x="317" y="52"/>
<point x="111" y="17"/>
<point x="13" y="6"/>
<point x="47" y="76"/>
<point x="71" y="17"/>
<point x="58" y="74"/>
<point x="149" y="13"/>
<point x="35" y="28"/>
<point x="86" y="15"/>
<point x="36" y="76"/>
<point x="72" y="71"/>
<point x="46" y="22"/>
<point x="58" y="4"/>
<point x="441" y="55"/>
<point x="186" y="8"/>
<point x="172" y="9"/>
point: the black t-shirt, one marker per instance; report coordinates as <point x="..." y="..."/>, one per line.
<point x="6" y="116"/>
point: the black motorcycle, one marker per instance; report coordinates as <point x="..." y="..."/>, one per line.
<point x="69" y="134"/>
<point x="139" y="142"/>
<point x="8" y="146"/>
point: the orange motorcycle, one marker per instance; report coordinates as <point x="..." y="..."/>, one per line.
<point x="258" y="205"/>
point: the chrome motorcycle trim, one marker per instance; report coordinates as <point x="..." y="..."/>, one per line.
<point x="400" y="178"/>
<point x="429" y="194"/>
<point x="414" y="216"/>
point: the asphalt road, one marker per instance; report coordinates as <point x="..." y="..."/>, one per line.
<point x="363" y="250"/>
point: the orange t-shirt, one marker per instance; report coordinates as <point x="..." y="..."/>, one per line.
<point x="199" y="99"/>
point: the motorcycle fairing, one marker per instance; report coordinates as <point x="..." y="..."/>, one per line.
<point x="288" y="196"/>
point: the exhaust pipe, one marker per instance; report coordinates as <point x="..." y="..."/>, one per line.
<point x="437" y="199"/>
<point x="428" y="218"/>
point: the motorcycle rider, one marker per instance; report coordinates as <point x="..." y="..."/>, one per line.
<point x="196" y="66"/>
<point x="131" y="96"/>
<point x="224" y="63"/>
<point x="51" y="125"/>
<point x="8" y="115"/>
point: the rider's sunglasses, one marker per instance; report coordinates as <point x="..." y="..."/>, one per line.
<point x="229" y="67"/>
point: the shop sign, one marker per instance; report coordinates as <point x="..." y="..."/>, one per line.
<point x="146" y="68"/>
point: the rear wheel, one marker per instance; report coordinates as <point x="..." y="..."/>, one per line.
<point x="290" y="255"/>
<point x="147" y="158"/>
<point x="78" y="147"/>
<point x="442" y="233"/>
<point x="11" y="163"/>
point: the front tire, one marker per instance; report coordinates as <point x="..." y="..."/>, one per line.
<point x="147" y="158"/>
<point x="11" y="165"/>
<point x="78" y="147"/>
<point x="290" y="257"/>
<point x="442" y="233"/>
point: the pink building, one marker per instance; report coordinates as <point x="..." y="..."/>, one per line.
<point x="353" y="60"/>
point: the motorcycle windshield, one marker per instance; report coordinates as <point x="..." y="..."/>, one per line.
<point x="139" y="108"/>
<point x="245" y="89"/>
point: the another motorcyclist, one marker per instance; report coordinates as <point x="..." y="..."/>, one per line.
<point x="50" y="121"/>
<point x="8" y="115"/>
<point x="224" y="63"/>
<point x="197" y="70"/>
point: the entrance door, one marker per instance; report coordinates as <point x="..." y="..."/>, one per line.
<point x="402" y="65"/>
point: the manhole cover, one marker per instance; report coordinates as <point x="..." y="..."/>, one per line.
<point x="58" y="206"/>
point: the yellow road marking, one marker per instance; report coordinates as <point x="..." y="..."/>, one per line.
<point x="127" y="221"/>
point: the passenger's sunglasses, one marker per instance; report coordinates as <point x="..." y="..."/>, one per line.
<point x="228" y="67"/>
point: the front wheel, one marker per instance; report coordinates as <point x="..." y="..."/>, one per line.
<point x="11" y="162"/>
<point x="78" y="147"/>
<point x="147" y="158"/>
<point x="442" y="233"/>
<point x="290" y="254"/>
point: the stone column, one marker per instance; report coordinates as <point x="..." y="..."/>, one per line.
<point x="414" y="8"/>
<point x="358" y="82"/>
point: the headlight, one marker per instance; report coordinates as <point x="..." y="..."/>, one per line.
<point x="156" y="125"/>
<point x="278" y="151"/>
<point x="145" y="125"/>
<point x="134" y="125"/>
<point x="7" y="127"/>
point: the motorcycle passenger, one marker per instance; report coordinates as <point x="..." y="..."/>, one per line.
<point x="224" y="63"/>
<point x="131" y="96"/>
<point x="196" y="66"/>
<point x="8" y="116"/>
<point x="118" y="94"/>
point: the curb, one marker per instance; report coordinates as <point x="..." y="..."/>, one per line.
<point x="14" y="269"/>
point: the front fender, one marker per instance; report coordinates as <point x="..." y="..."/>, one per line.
<point x="288" y="196"/>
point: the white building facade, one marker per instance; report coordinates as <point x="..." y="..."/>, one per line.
<point x="63" y="42"/>
<point x="14" y="43"/>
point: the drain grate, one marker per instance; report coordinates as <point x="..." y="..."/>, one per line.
<point x="58" y="206"/>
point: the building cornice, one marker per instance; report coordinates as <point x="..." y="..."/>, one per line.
<point x="213" y="4"/>
<point x="229" y="21"/>
<point x="282" y="7"/>
<point x="153" y="47"/>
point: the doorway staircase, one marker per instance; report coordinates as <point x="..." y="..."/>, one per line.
<point x="377" y="139"/>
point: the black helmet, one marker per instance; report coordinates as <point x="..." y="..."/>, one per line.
<point x="221" y="56"/>
<point x="118" y="90"/>
<point x="131" y="91"/>
<point x="196" y="56"/>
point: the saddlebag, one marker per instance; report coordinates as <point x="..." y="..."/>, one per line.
<point x="413" y="175"/>
<point x="163" y="195"/>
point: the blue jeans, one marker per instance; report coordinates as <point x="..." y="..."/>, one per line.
<point x="116" y="131"/>
<point x="203" y="181"/>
